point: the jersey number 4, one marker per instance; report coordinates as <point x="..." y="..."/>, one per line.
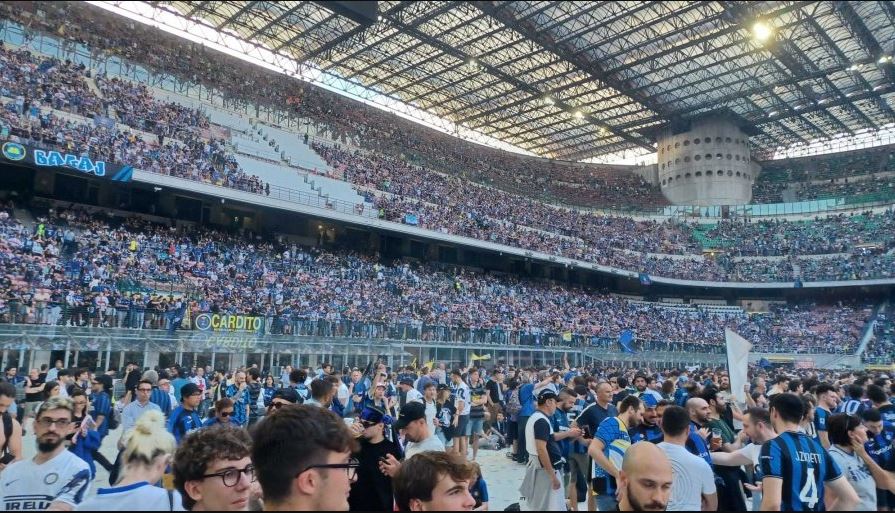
<point x="808" y="493"/>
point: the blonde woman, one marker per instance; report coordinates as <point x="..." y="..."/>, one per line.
<point x="148" y="449"/>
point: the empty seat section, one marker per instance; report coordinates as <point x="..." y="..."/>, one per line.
<point x="275" y="174"/>
<point x="294" y="149"/>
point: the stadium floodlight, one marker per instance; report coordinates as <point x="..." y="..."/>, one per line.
<point x="884" y="59"/>
<point x="548" y="100"/>
<point x="761" y="31"/>
<point x="578" y="114"/>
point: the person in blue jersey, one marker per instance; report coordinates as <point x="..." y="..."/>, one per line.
<point x="610" y="442"/>
<point x="564" y="433"/>
<point x="648" y="430"/>
<point x="526" y="399"/>
<point x="223" y="413"/>
<point x="877" y="397"/>
<point x="797" y="472"/>
<point x="184" y="419"/>
<point x="158" y="396"/>
<point x="852" y="403"/>
<point x="827" y="401"/>
<point x="879" y="445"/>
<point x="589" y="421"/>
<point x="102" y="413"/>
<point x="700" y="440"/>
<point x="241" y="396"/>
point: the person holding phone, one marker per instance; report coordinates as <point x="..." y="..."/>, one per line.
<point x="84" y="438"/>
<point x="372" y="491"/>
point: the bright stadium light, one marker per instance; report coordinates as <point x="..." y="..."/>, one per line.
<point x="548" y="100"/>
<point x="761" y="31"/>
<point x="578" y="114"/>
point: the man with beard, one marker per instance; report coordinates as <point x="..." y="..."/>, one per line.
<point x="641" y="383"/>
<point x="612" y="440"/>
<point x="648" y="430"/>
<point x="645" y="479"/>
<point x="55" y="478"/>
<point x="373" y="489"/>
<point x="700" y="437"/>
<point x="757" y="427"/>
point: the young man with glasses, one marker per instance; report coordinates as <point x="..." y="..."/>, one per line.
<point x="213" y="470"/>
<point x="373" y="489"/>
<point x="54" y="478"/>
<point x="282" y="397"/>
<point x="302" y="456"/>
<point x="223" y="413"/>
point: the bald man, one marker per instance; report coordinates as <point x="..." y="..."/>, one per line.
<point x="700" y="437"/>
<point x="644" y="482"/>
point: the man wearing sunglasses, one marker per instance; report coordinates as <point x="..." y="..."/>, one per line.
<point x="213" y="470"/>
<point x="373" y="489"/>
<point x="282" y="397"/>
<point x="223" y="413"/>
<point x="302" y="456"/>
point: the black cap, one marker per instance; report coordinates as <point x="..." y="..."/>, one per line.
<point x="406" y="381"/>
<point x="443" y="386"/>
<point x="188" y="390"/>
<point x="545" y="394"/>
<point x="287" y="394"/>
<point x="410" y="412"/>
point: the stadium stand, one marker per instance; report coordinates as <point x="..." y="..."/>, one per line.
<point x="132" y="265"/>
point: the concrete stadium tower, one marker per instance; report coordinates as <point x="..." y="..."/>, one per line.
<point x="706" y="161"/>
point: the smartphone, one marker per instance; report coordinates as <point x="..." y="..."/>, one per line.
<point x="7" y="459"/>
<point x="348" y="421"/>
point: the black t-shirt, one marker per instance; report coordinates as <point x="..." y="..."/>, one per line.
<point x="494" y="391"/>
<point x="36" y="396"/>
<point x="593" y="414"/>
<point x="446" y="412"/>
<point x="542" y="432"/>
<point x="373" y="490"/>
<point x="475" y="393"/>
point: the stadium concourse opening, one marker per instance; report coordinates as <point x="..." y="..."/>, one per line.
<point x="447" y="255"/>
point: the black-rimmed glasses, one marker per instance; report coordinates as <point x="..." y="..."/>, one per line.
<point x="350" y="467"/>
<point x="231" y="476"/>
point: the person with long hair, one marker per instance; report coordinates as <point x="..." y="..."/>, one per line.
<point x="84" y="438"/>
<point x="148" y="449"/>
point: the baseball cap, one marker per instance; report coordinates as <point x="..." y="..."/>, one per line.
<point x="188" y="390"/>
<point x="410" y="412"/>
<point x="443" y="386"/>
<point x="287" y="394"/>
<point x="406" y="381"/>
<point x="545" y="394"/>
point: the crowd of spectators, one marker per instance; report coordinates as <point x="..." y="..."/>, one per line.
<point x="828" y="176"/>
<point x="881" y="348"/>
<point x="32" y="80"/>
<point x="408" y="192"/>
<point x="78" y="268"/>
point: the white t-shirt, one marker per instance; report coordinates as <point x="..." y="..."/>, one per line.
<point x="25" y="485"/>
<point x="414" y="395"/>
<point x="461" y="392"/>
<point x="429" y="444"/>
<point x="859" y="477"/>
<point x="431" y="411"/>
<point x="143" y="494"/>
<point x="692" y="478"/>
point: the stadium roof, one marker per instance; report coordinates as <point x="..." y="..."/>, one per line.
<point x="576" y="80"/>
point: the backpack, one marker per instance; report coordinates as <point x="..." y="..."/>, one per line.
<point x="513" y="406"/>
<point x="114" y="419"/>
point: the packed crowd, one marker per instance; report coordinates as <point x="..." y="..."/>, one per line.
<point x="408" y="439"/>
<point x="38" y="83"/>
<point x="881" y="348"/>
<point x="449" y="203"/>
<point x="827" y="176"/>
<point x="74" y="267"/>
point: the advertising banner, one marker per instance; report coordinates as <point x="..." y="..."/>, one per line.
<point x="17" y="153"/>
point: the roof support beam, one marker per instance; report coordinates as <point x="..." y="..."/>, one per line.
<point x="638" y="141"/>
<point x="244" y="9"/>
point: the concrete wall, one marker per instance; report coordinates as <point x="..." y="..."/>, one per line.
<point x="708" y="165"/>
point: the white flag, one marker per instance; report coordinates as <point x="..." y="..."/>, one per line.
<point x="737" y="363"/>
